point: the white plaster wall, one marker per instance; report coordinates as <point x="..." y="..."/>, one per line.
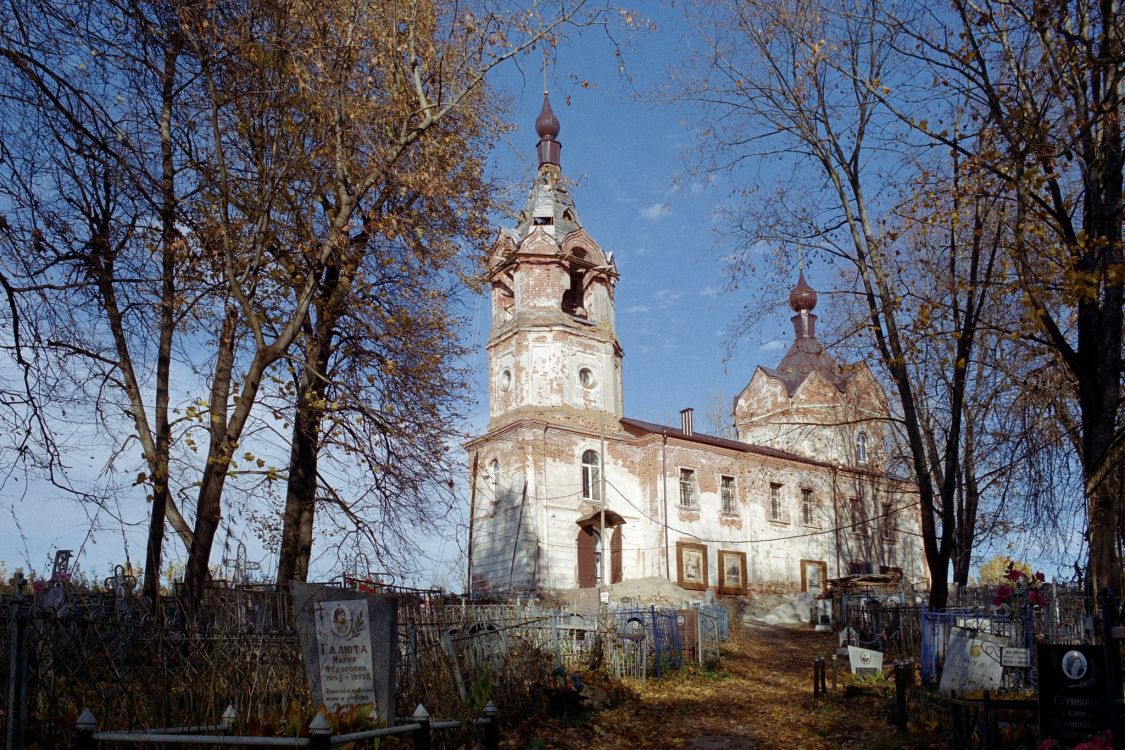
<point x="564" y="505"/>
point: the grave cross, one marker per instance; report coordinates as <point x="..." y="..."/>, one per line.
<point x="242" y="566"/>
<point x="18" y="582"/>
<point x="121" y="583"/>
<point x="60" y="571"/>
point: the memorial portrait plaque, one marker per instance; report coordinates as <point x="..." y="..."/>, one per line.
<point x="732" y="566"/>
<point x="865" y="661"/>
<point x="349" y="641"/>
<point x="1073" y="698"/>
<point x="693" y="566"/>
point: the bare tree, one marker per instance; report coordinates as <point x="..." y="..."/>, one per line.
<point x="789" y="84"/>
<point x="93" y="237"/>
<point x="1045" y="81"/>
<point x="216" y="172"/>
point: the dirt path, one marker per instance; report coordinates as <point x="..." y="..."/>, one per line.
<point x="760" y="698"/>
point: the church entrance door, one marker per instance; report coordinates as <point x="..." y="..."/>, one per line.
<point x="590" y="551"/>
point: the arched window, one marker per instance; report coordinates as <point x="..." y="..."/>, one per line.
<point x="861" y="448"/>
<point x="591" y="476"/>
<point x="494" y="479"/>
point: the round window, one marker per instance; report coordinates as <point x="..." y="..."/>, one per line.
<point x="505" y="380"/>
<point x="586" y="377"/>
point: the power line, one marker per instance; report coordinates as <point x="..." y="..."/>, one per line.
<point x="819" y="532"/>
<point x="831" y="530"/>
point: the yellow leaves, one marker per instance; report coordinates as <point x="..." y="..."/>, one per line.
<point x="1082" y="286"/>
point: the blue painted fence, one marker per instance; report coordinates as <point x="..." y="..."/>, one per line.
<point x="936" y="627"/>
<point x="661" y="629"/>
<point x="719" y="614"/>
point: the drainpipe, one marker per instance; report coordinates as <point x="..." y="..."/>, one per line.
<point x="472" y="515"/>
<point x="664" y="494"/>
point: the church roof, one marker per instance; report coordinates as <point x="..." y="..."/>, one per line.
<point x="807" y="354"/>
<point x="549" y="203"/>
<point x="640" y="428"/>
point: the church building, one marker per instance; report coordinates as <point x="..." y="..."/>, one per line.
<point x="567" y="492"/>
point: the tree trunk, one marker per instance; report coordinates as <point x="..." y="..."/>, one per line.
<point x="963" y="554"/>
<point x="161" y="493"/>
<point x="300" y="494"/>
<point x="208" y="505"/>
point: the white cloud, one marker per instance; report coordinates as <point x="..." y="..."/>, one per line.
<point x="710" y="291"/>
<point x="772" y="346"/>
<point x="667" y="296"/>
<point x="656" y="211"/>
<point x="643" y="250"/>
<point x="636" y="309"/>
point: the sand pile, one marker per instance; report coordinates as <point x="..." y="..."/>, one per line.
<point x="761" y="605"/>
<point x="793" y="611"/>
<point x="653" y="591"/>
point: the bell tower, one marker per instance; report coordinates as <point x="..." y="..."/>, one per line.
<point x="553" y="348"/>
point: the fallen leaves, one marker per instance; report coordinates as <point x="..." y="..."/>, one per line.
<point x="759" y="698"/>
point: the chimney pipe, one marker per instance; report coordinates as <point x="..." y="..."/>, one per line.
<point x="685" y="421"/>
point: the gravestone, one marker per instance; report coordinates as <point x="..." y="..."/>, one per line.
<point x="1073" y="692"/>
<point x="865" y="661"/>
<point x="349" y="641"/>
<point x="824" y="615"/>
<point x="972" y="661"/>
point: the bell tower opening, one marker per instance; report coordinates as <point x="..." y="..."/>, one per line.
<point x="573" y="302"/>
<point x="574" y="298"/>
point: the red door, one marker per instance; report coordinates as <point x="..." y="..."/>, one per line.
<point x="587" y="570"/>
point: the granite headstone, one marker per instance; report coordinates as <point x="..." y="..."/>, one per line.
<point x="1073" y="697"/>
<point x="349" y="640"/>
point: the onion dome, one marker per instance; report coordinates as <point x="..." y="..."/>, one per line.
<point x="547" y="126"/>
<point x="803" y="297"/>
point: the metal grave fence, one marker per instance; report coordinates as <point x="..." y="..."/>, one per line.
<point x="80" y="649"/>
<point x="937" y="626"/>
<point x="710" y="629"/>
<point x="645" y="642"/>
